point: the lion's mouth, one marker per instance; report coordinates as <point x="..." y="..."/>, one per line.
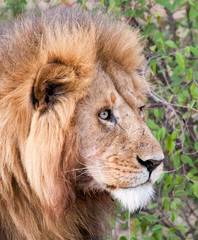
<point x="113" y="187"/>
<point x="147" y="181"/>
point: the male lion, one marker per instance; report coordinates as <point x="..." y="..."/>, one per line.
<point x="72" y="128"/>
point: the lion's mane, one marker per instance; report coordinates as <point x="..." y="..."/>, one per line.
<point x="39" y="193"/>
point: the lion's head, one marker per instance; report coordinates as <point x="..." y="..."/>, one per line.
<point x="72" y="119"/>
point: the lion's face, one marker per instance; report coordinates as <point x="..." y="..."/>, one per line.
<point x="116" y="145"/>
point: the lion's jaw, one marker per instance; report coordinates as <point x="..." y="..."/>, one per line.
<point x="137" y="197"/>
<point x="111" y="147"/>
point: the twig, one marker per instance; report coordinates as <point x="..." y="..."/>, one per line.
<point x="174" y="170"/>
<point x="160" y="99"/>
<point x="171" y="22"/>
<point x="190" y="180"/>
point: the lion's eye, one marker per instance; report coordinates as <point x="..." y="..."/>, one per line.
<point x="105" y="114"/>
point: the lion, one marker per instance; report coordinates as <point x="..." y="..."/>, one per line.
<point x="73" y="130"/>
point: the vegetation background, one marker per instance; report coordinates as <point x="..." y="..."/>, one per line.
<point x="170" y="37"/>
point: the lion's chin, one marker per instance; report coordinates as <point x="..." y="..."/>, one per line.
<point x="134" y="198"/>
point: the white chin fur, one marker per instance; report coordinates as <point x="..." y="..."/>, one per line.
<point x="134" y="198"/>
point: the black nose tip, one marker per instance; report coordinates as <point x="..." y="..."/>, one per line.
<point x="149" y="164"/>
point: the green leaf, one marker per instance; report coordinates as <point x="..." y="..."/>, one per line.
<point x="187" y="50"/>
<point x="194" y="51"/>
<point x="172" y="230"/>
<point x="142" y="1"/>
<point x="170" y="98"/>
<point x="166" y="4"/>
<point x="171" y="44"/>
<point x="135" y="226"/>
<point x="149" y="29"/>
<point x="175" y="203"/>
<point x="160" y="178"/>
<point x="174" y="135"/>
<point x="178" y="179"/>
<point x="128" y="13"/>
<point x="162" y="133"/>
<point x="189" y="74"/>
<point x="192" y="2"/>
<point x="168" y="181"/>
<point x="187" y="160"/>
<point x="152" y="206"/>
<point x="126" y="214"/>
<point x="143" y="225"/>
<point x="153" y="48"/>
<point x="149" y="18"/>
<point x="192" y="103"/>
<point x="124" y="225"/>
<point x="156" y="228"/>
<point x="156" y="113"/>
<point x="196" y="146"/>
<point x="83" y="3"/>
<point x="192" y="14"/>
<point x="181" y="60"/>
<point x="195" y="189"/>
<point x="152" y="125"/>
<point x="112" y="4"/>
<point x="173" y="216"/>
<point x="150" y="218"/>
<point x="191" y="176"/>
<point x="169" y="142"/>
<point x="157" y="235"/>
<point x="154" y="68"/>
<point x="180" y="193"/>
<point x="166" y="204"/>
<point x="145" y="238"/>
<point x="176" y="160"/>
<point x="123" y="238"/>
<point x="194" y="91"/>
<point x="183" y="97"/>
<point x="102" y="2"/>
<point x="181" y="228"/>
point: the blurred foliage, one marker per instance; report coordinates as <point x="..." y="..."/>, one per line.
<point x="16" y="7"/>
<point x="170" y="33"/>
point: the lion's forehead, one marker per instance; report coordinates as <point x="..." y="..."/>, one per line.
<point x="109" y="89"/>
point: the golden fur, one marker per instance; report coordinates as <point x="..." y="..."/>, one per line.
<point x="59" y="161"/>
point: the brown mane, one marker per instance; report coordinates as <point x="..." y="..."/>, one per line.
<point x="39" y="193"/>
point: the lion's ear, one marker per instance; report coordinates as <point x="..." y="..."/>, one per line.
<point x="52" y="80"/>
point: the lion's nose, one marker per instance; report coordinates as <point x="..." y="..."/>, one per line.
<point x="149" y="164"/>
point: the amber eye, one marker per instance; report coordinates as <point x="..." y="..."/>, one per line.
<point x="105" y="114"/>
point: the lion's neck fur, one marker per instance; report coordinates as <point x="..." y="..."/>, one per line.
<point x="80" y="214"/>
<point x="85" y="219"/>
